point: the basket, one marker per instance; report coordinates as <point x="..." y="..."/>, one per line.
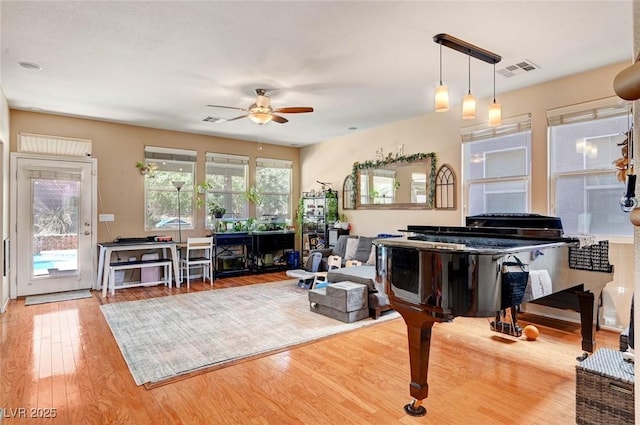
<point x="604" y="389"/>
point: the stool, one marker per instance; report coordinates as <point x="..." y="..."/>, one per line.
<point x="345" y="301"/>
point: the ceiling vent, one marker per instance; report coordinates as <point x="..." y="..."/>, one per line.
<point x="518" y="68"/>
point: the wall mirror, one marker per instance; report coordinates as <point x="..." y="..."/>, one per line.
<point x="396" y="182"/>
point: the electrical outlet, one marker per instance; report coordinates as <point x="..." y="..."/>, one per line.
<point x="106" y="217"/>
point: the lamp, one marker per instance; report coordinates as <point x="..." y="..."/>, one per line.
<point x="178" y="185"/>
<point x="469" y="101"/>
<point x="442" y="91"/>
<point x="495" y="109"/>
<point x="260" y="117"/>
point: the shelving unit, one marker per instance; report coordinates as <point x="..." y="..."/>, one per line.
<point x="317" y="220"/>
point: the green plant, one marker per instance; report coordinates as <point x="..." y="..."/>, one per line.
<point x="332" y="207"/>
<point x="216" y="209"/>
<point x="343" y="218"/>
<point x="146" y="168"/>
<point x="253" y="195"/>
<point x="201" y="193"/>
<point x="300" y="215"/>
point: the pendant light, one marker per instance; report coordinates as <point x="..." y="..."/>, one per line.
<point x="495" y="109"/>
<point x="442" y="92"/>
<point x="469" y="101"/>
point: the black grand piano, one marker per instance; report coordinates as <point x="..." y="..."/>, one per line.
<point x="436" y="273"/>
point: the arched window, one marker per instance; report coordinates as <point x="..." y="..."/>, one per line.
<point x="348" y="201"/>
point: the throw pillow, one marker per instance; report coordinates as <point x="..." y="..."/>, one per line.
<point x="371" y="261"/>
<point x="364" y="249"/>
<point x="341" y="245"/>
<point x="352" y="247"/>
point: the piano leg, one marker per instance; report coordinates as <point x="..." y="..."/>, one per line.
<point x="419" y="328"/>
<point x="586" y="300"/>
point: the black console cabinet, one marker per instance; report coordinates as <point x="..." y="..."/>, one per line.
<point x="269" y="250"/>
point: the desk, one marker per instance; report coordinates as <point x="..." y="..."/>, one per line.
<point x="104" y="258"/>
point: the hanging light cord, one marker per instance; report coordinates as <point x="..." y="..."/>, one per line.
<point x="494" y="82"/>
<point x="469" y="74"/>
<point x="440" y="63"/>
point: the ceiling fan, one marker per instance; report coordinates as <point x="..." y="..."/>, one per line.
<point x="261" y="111"/>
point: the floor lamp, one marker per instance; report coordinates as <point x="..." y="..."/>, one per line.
<point x="178" y="185"/>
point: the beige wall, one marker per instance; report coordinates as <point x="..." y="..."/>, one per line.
<point x="118" y="147"/>
<point x="440" y="133"/>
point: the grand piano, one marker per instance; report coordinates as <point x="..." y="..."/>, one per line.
<point x="436" y="273"/>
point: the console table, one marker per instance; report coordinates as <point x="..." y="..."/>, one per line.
<point x="107" y="248"/>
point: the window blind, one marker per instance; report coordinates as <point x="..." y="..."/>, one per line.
<point x="513" y="125"/>
<point x="53" y="145"/>
<point x="273" y="163"/>
<point x="588" y="111"/>
<point x="222" y="158"/>
<point x="169" y="154"/>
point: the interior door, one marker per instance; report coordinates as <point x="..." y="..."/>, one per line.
<point x="54" y="216"/>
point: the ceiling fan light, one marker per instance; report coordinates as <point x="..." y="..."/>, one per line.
<point x="469" y="107"/>
<point x="260" y="117"/>
<point x="442" y="98"/>
<point x="495" y="113"/>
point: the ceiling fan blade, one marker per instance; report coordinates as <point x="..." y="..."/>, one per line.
<point x="227" y="107"/>
<point x="294" y="110"/>
<point x="237" y="118"/>
<point x="279" y="119"/>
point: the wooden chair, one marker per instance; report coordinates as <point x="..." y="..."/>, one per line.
<point x="198" y="253"/>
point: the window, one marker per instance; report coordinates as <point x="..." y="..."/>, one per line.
<point x="583" y="144"/>
<point x="497" y="167"/>
<point x="273" y="182"/>
<point x="227" y="179"/>
<point x="161" y="195"/>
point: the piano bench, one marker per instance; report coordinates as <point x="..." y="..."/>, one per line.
<point x="604" y="389"/>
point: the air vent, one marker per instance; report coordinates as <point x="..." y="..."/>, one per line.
<point x="518" y="68"/>
<point x="213" y="119"/>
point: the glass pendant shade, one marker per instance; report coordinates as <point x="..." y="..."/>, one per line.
<point x="260" y="117"/>
<point x="468" y="107"/>
<point x="495" y="113"/>
<point x="442" y="98"/>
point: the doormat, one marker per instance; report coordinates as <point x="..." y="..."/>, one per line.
<point x="58" y="296"/>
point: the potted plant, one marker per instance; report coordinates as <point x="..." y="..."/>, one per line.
<point x="344" y="221"/>
<point x="216" y="210"/>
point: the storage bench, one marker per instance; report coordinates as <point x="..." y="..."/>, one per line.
<point x="604" y="389"/>
<point x="127" y="265"/>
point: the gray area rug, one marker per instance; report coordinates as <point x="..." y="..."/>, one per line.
<point x="58" y="296"/>
<point x="165" y="338"/>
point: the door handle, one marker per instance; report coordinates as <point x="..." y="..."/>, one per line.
<point x="86" y="232"/>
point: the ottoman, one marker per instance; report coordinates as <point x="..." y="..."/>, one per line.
<point x="344" y="301"/>
<point x="604" y="389"/>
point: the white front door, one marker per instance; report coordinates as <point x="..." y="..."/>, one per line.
<point x="53" y="243"/>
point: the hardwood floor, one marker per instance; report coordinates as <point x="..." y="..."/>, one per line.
<point x="62" y="356"/>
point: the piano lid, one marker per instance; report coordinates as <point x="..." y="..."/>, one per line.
<point x="530" y="226"/>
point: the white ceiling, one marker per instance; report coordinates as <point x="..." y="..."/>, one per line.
<point x="360" y="64"/>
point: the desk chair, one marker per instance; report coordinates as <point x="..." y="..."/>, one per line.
<point x="202" y="258"/>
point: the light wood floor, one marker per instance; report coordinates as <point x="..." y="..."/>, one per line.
<point x="62" y="356"/>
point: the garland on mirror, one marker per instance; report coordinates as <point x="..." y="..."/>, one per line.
<point x="393" y="159"/>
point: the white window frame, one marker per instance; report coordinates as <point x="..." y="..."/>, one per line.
<point x="484" y="132"/>
<point x="161" y="157"/>
<point x="232" y="161"/>
<point x="583" y="113"/>
<point x="277" y="163"/>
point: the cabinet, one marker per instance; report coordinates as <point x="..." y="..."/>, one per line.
<point x="270" y="248"/>
<point x="318" y="215"/>
<point x="231" y="254"/>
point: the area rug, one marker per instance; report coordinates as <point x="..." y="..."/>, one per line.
<point x="168" y="338"/>
<point x="58" y="296"/>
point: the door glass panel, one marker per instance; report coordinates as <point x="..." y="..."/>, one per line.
<point x="55" y="227"/>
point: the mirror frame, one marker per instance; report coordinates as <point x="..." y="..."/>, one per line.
<point x="429" y="160"/>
